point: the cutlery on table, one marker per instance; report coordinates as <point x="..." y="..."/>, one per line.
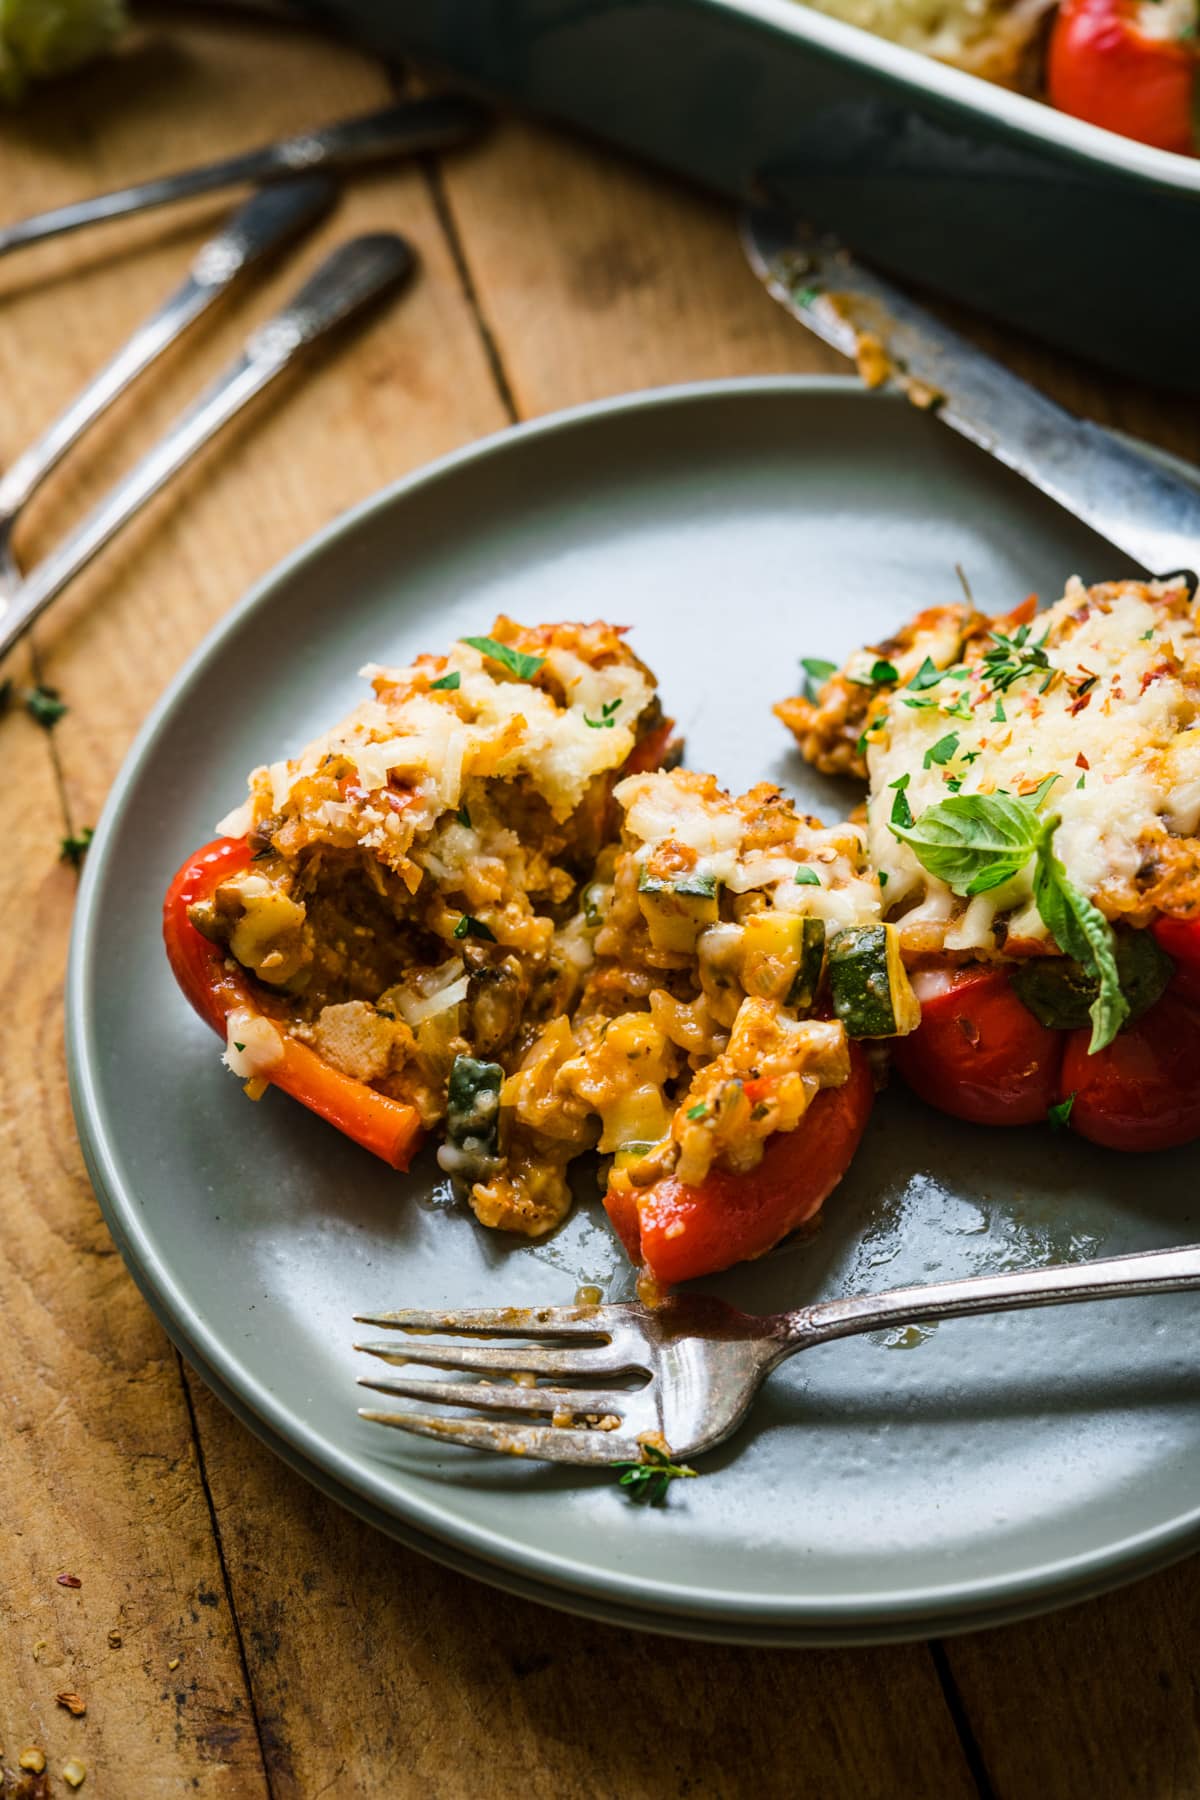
<point x="265" y="223"/>
<point x="702" y="1362"/>
<point x="355" y="274"/>
<point x="1130" y="498"/>
<point x="410" y="127"/>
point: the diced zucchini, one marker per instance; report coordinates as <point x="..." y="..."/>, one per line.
<point x="473" y="1108"/>
<point x="1059" y="992"/>
<point x="678" y="910"/>
<point x="782" y="957"/>
<point x="871" y="992"/>
<point x="631" y="1153"/>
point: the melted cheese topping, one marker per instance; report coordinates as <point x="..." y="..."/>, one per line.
<point x="1109" y="707"/>
<point x="683" y="809"/>
<point x="575" y="719"/>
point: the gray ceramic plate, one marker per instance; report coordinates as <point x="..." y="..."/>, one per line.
<point x="882" y="1488"/>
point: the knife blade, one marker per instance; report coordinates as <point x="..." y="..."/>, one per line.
<point x="1127" y="497"/>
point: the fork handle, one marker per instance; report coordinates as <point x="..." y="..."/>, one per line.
<point x="356" y="273"/>
<point x="405" y="129"/>
<point x="1146" y="1272"/>
<point x="267" y="221"/>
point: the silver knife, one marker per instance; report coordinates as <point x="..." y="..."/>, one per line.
<point x="401" y="130"/>
<point x="1129" y="498"/>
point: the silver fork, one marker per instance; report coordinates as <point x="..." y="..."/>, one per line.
<point x="700" y="1362"/>
<point x="265" y="223"/>
<point x="353" y="276"/>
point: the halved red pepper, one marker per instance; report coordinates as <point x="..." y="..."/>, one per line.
<point x="1103" y="66"/>
<point x="390" y="1129"/>
<point x="680" y="1232"/>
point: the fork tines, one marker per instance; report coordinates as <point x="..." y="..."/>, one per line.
<point x="576" y="1424"/>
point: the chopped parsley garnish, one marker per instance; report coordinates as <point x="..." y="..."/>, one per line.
<point x="607" y="716"/>
<point x="999" y="717"/>
<point x="806" y="295"/>
<point x="816" y="673"/>
<point x="698" y="1111"/>
<point x="448" y="682"/>
<point x="74" y="849"/>
<point x="958" y="708"/>
<point x="469" y="927"/>
<point x="1146" y="636"/>
<point x="882" y="672"/>
<point x="954" y="782"/>
<point x="807" y="877"/>
<point x="649" y="1479"/>
<point x="1012" y="657"/>
<point x="902" y="817"/>
<point x="1060" y="1114"/>
<point x="883" y="878"/>
<point x="1082" y="782"/>
<point x="238" y="1047"/>
<point x="877" y="724"/>
<point x="44" y="705"/>
<point x="517" y="662"/>
<point x="942" y="751"/>
<point x="464" y="817"/>
<point x="927" y="676"/>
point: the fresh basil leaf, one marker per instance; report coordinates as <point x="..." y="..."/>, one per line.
<point x="448" y="682"/>
<point x="973" y="842"/>
<point x="1080" y="930"/>
<point x="517" y="662"/>
<point x="807" y="877"/>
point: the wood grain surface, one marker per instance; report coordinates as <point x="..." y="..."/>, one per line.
<point x="232" y="1633"/>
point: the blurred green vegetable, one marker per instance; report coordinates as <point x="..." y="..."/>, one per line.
<point x="49" y="37"/>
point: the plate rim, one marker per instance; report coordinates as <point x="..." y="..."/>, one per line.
<point x="859" y="1618"/>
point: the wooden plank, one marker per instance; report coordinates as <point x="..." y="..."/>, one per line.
<point x="99" y="1478"/>
<point x="1102" y="1699"/>
<point x="597" y="276"/>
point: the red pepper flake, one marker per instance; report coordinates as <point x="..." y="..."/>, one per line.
<point x="71" y="1581"/>
<point x="969" y="1029"/>
<point x="1077" y="706"/>
<point x="1081" y="761"/>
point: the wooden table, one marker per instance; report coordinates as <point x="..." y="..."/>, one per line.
<point x="231" y="1632"/>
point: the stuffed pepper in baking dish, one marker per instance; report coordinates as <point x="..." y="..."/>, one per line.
<point x="1034" y="802"/>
